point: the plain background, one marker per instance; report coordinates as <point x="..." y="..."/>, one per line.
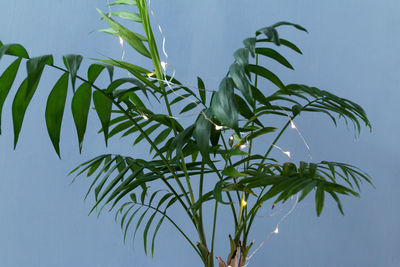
<point x="352" y="50"/>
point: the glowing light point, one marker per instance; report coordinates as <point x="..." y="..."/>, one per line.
<point x="150" y="74"/>
<point x="276" y="231"/>
<point x="287" y="153"/>
<point x="244" y="203"/>
<point x="121" y="41"/>
<point x="218" y="127"/>
<point x="245" y="145"/>
<point x="231" y="138"/>
<point x="292" y="125"/>
<point x="164" y="65"/>
<point x="145" y="117"/>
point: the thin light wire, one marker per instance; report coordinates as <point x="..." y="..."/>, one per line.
<point x="166" y="54"/>
<point x="151" y="75"/>
<point x="121" y="40"/>
<point x="304" y="142"/>
<point x="287" y="153"/>
<point x="275" y="231"/>
<point x="293" y="126"/>
<point x="274" y="213"/>
<point x="109" y="8"/>
<point x="165" y="67"/>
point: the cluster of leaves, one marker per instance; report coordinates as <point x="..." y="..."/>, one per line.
<point x="236" y="113"/>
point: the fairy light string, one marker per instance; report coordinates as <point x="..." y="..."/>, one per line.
<point x="151" y="75"/>
<point x="169" y="83"/>
<point x="293" y="126"/>
<point x="287" y="153"/>
<point x="274" y="213"/>
<point x="274" y="232"/>
<point x="165" y="65"/>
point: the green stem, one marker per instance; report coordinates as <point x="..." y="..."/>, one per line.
<point x="214" y="227"/>
<point x="252" y="212"/>
<point x="275" y="141"/>
<point x="242" y="205"/>
<point x="200" y="218"/>
<point x="230" y="162"/>
<point x="254" y="108"/>
<point x="227" y="193"/>
<point x="248" y="163"/>
<point x="158" y="69"/>
<point x="184" y="168"/>
<point x="244" y="227"/>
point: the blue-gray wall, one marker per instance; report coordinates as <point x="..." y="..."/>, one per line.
<point x="352" y="49"/>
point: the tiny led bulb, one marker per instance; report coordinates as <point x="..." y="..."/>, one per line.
<point x="287" y="153"/>
<point x="245" y="145"/>
<point x="292" y="125"/>
<point x="164" y="65"/>
<point x="145" y="117"/>
<point x="218" y="127"/>
<point x="276" y="231"/>
<point x="244" y="202"/>
<point x="121" y="41"/>
<point x="231" y="138"/>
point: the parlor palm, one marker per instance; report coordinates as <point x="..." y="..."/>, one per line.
<point x="217" y="145"/>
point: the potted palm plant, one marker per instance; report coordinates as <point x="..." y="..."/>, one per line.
<point x="219" y="147"/>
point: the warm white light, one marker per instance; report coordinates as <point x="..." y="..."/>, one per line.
<point x="164" y="65"/>
<point x="287" y="153"/>
<point x="121" y="41"/>
<point x="244" y="202"/>
<point x="145" y="117"/>
<point x="276" y="231"/>
<point x="218" y="127"/>
<point x="231" y="138"/>
<point x="245" y="145"/>
<point x="292" y="124"/>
